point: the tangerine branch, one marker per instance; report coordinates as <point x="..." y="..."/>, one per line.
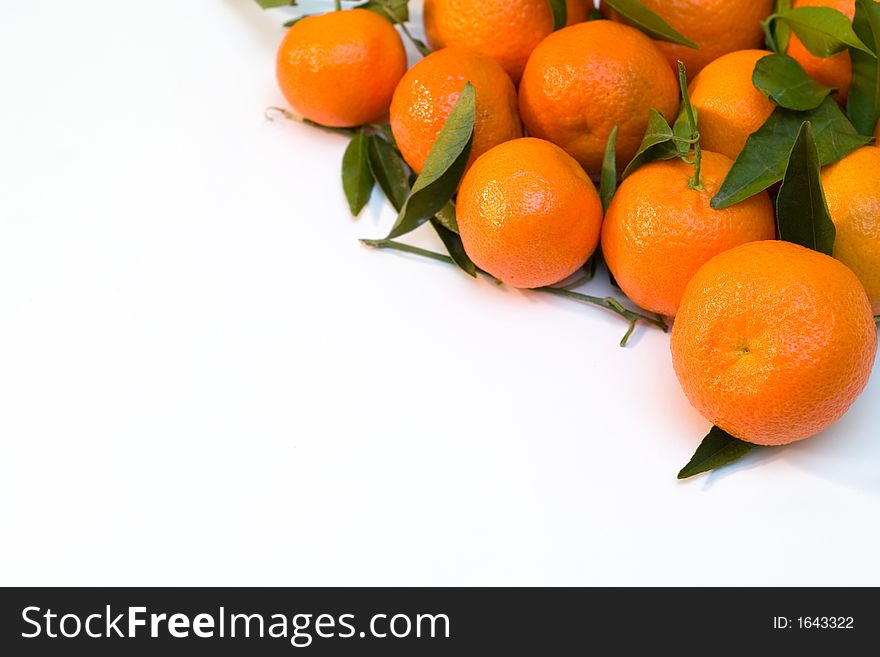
<point x="608" y="303"/>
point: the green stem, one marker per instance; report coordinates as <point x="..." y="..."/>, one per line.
<point x="270" y="113"/>
<point x="406" y="248"/>
<point x="608" y="303"/>
<point x="697" y="182"/>
<point x="612" y="304"/>
<point x="424" y="51"/>
<point x="338" y="4"/>
<point x="877" y="320"/>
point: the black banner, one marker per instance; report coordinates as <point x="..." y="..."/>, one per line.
<point x="159" y="621"/>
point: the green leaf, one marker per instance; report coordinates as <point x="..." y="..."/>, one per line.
<point x="446" y="216"/>
<point x="777" y="32"/>
<point x="443" y="169"/>
<point x="765" y="156"/>
<point x="682" y="129"/>
<point x="786" y="82"/>
<point x="657" y="144"/>
<point x="272" y="4"/>
<point x="608" y="181"/>
<point x="718" y="449"/>
<point x="822" y="30"/>
<point x="686" y="131"/>
<point x="560" y="14"/>
<point x="357" y="179"/>
<point x="863" y="105"/>
<point x="648" y="22"/>
<point x="452" y="242"/>
<point x="801" y="210"/>
<point x="389" y="170"/>
<point x="397" y="11"/>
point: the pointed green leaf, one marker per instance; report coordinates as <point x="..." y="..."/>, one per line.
<point x="453" y="245"/>
<point x="718" y="449"/>
<point x="765" y="156"/>
<point x="560" y="14"/>
<point x="389" y="170"/>
<point x="357" y="179"/>
<point x="648" y="22"/>
<point x="608" y="181"/>
<point x="786" y="82"/>
<point x="863" y="105"/>
<point x="801" y="210"/>
<point x="657" y="143"/>
<point x="444" y="168"/>
<point x="822" y="30"/>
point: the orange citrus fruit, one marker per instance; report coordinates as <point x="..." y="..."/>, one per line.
<point x="505" y="30"/>
<point x="340" y="69"/>
<point x="718" y="26"/>
<point x="658" y="231"/>
<point x="528" y="213"/>
<point x="773" y="342"/>
<point x="428" y="92"/>
<point x="728" y="105"/>
<point x="836" y="71"/>
<point x="585" y="79"/>
<point x="852" y="189"/>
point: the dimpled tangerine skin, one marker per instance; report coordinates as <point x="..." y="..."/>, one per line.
<point x="528" y="213"/>
<point x="585" y="79"/>
<point x="773" y="342"/>
<point x="658" y="231"/>
<point x="729" y="106"/>
<point x="340" y="69"/>
<point x="852" y="189"/>
<point x="428" y="92"/>
<point x="505" y="30"/>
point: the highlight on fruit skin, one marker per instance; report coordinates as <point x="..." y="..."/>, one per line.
<point x="773" y="342"/>
<point x="340" y="69"/>
<point x="428" y="92"/>
<point x="584" y="80"/>
<point x="528" y="213"/>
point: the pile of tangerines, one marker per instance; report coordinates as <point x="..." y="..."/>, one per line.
<point x="738" y="190"/>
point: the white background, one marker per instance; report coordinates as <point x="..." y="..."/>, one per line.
<point x="205" y="379"/>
